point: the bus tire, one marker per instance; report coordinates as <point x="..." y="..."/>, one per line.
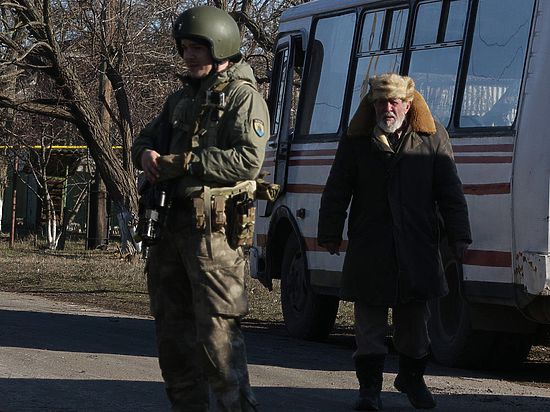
<point x="455" y="343"/>
<point x="307" y="315"/>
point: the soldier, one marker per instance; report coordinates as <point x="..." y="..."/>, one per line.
<point x="396" y="166"/>
<point x="209" y="135"/>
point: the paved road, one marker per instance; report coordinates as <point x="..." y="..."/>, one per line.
<point x="61" y="357"/>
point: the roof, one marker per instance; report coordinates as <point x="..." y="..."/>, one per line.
<point x="322" y="6"/>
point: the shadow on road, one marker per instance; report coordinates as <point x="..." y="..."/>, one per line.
<point x="267" y="344"/>
<point x="21" y="395"/>
<point x="336" y="400"/>
<point x="77" y="333"/>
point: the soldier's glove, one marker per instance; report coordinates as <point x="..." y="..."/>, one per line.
<point x="175" y="165"/>
<point x="458" y="249"/>
<point x="266" y="190"/>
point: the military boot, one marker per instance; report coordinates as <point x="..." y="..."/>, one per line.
<point x="369" y="370"/>
<point x="410" y="380"/>
<point x="190" y="399"/>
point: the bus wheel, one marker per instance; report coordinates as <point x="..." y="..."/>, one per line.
<point x="454" y="343"/>
<point x="453" y="340"/>
<point x="307" y="315"/>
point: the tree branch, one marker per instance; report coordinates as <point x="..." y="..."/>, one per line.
<point x="255" y="29"/>
<point x="37" y="107"/>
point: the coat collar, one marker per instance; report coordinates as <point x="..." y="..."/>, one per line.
<point x="419" y="116"/>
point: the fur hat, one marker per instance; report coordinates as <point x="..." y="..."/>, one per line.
<point x="391" y="86"/>
<point x="419" y="115"/>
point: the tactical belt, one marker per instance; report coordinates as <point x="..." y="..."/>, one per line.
<point x="231" y="208"/>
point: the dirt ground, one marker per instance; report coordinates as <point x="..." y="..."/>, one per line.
<point x="105" y="279"/>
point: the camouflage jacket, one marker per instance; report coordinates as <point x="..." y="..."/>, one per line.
<point x="228" y="143"/>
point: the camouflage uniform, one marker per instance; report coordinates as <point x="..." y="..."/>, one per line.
<point x="195" y="278"/>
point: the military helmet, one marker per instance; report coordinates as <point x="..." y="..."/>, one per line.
<point x="212" y="25"/>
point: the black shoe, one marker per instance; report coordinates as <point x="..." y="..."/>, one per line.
<point x="369" y="370"/>
<point x="410" y="380"/>
<point x="368" y="402"/>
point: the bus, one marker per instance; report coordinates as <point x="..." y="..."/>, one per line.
<point x="482" y="66"/>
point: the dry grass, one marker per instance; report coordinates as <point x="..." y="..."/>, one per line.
<point x="104" y="279"/>
<point x="98" y="278"/>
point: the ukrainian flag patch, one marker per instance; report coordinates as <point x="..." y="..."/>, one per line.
<point x="259" y="127"/>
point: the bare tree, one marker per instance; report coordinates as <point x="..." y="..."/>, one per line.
<point x="46" y="51"/>
<point x="66" y="43"/>
<point x="55" y="53"/>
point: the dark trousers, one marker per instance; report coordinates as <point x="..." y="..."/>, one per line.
<point x="410" y="336"/>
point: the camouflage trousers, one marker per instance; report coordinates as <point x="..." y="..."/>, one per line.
<point x="197" y="295"/>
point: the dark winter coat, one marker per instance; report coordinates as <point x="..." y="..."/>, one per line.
<point x="393" y="249"/>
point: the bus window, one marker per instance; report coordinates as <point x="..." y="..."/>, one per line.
<point x="330" y="56"/>
<point x="296" y="86"/>
<point x="497" y="59"/>
<point x="434" y="58"/>
<point x="281" y="64"/>
<point x="371" y="36"/>
<point x="398" y="28"/>
<point x="457" y="20"/>
<point x="434" y="72"/>
<point x="381" y="48"/>
<point x="427" y="23"/>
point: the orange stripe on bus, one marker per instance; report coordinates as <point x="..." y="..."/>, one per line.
<point x="469" y="189"/>
<point x="304" y="188"/>
<point x="325" y="152"/>
<point x="310" y="162"/>
<point x="473" y="257"/>
<point x="483" y="159"/>
<point x="483" y="148"/>
<point x="487" y="189"/>
<point x="488" y="258"/>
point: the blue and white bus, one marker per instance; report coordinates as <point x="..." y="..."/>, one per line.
<point x="482" y="66"/>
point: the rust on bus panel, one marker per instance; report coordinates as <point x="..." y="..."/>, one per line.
<point x="530" y="269"/>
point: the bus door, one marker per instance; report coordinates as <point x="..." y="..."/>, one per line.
<point x="283" y="97"/>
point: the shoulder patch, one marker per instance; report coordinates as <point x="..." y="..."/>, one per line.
<point x="259" y="127"/>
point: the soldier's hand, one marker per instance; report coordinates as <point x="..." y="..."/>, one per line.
<point x="149" y="164"/>
<point x="332" y="247"/>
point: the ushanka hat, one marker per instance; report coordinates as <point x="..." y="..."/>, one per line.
<point x="391" y="86"/>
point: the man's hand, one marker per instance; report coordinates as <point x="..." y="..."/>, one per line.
<point x="458" y="249"/>
<point x="332" y="247"/>
<point x="149" y="164"/>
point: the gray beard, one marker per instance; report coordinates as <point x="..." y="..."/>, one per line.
<point x="393" y="127"/>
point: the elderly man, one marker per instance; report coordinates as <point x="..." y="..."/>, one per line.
<point x="396" y="166"/>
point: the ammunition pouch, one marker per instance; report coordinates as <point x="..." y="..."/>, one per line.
<point x="229" y="208"/>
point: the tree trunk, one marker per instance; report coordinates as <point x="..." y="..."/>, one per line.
<point x="14" y="202"/>
<point x="127" y="233"/>
<point x="97" y="233"/>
